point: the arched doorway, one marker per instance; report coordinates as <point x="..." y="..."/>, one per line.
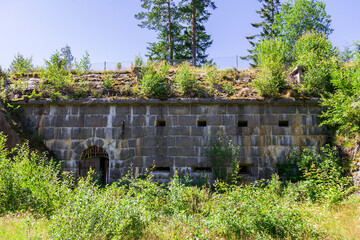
<point x="97" y="159"/>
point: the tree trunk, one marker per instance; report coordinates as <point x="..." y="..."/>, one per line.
<point x="193" y="42"/>
<point x="170" y="34"/>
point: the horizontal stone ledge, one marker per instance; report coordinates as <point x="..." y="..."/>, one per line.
<point x="172" y="101"/>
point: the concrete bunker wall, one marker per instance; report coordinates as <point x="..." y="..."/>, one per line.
<point x="173" y="134"/>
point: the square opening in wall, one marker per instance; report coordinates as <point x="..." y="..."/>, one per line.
<point x="161" y="123"/>
<point x="283" y="123"/>
<point x="201" y="123"/>
<point x="244" y="169"/>
<point x="242" y="123"/>
<point x="161" y="169"/>
<point x="202" y="169"/>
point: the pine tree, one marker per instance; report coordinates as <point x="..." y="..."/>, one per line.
<point x="195" y="13"/>
<point x="161" y="16"/>
<point x="267" y="12"/>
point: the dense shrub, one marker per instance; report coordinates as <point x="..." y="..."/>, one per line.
<point x="320" y="175"/>
<point x="343" y="106"/>
<point x="55" y="76"/>
<point x="28" y="181"/>
<point x="223" y="156"/>
<point x="154" y="82"/>
<point x="21" y="65"/>
<point x="185" y="79"/>
<point x="316" y="53"/>
<point x="273" y="54"/>
<point x="94" y="213"/>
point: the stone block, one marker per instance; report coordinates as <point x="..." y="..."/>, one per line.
<point x="95" y="110"/>
<point x="232" y="130"/>
<point x="28" y="110"/>
<point x="214" y="120"/>
<point x="232" y="109"/>
<point x="254" y="140"/>
<point x="49" y="133"/>
<point x="139" y="109"/>
<point x="184" y="141"/>
<point x="187" y="121"/>
<point x="255" y="151"/>
<point x="179" y="110"/>
<point x="158" y="109"/>
<point x="95" y="121"/>
<point x="125" y="154"/>
<point x="269" y="119"/>
<point x="175" y="131"/>
<point x="198" y="131"/>
<point x="123" y="110"/>
<point x="284" y="109"/>
<point x="229" y="120"/>
<point x="138" y="120"/>
<point x="63" y="133"/>
<point x="73" y="121"/>
<point x="174" y="151"/>
<point x="218" y="109"/>
<point x="200" y="109"/>
<point x="189" y="151"/>
<point x="284" y="131"/>
<point x="138" y="132"/>
<point x="118" y="120"/>
<point x="149" y="142"/>
<point x="160" y="151"/>
<point x="81" y="133"/>
<point x="285" y="140"/>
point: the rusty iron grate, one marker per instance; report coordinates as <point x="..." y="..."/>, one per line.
<point x="93" y="151"/>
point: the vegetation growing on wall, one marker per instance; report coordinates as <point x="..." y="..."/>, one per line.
<point x="140" y="208"/>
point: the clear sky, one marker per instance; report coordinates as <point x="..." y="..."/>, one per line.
<point x="108" y="30"/>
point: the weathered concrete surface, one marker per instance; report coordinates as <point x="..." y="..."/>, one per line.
<point x="131" y="133"/>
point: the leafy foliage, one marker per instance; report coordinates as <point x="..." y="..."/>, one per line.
<point x="185" y="79"/>
<point x="28" y="181"/>
<point x="223" y="156"/>
<point x="316" y="53"/>
<point x="297" y="17"/>
<point x="343" y="106"/>
<point x="272" y="55"/>
<point x="321" y="173"/>
<point x="84" y="64"/>
<point x="21" y="65"/>
<point x="154" y="82"/>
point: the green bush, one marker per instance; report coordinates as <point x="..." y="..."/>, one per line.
<point x="320" y="175"/>
<point x="223" y="156"/>
<point x="185" y="79"/>
<point x="84" y="64"/>
<point x="28" y="181"/>
<point x="154" y="82"/>
<point x="54" y="76"/>
<point x="316" y="53"/>
<point x="91" y="212"/>
<point x="343" y="106"/>
<point x="21" y="65"/>
<point x="108" y="82"/>
<point x="273" y="55"/>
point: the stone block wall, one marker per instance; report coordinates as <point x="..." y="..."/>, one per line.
<point x="173" y="134"/>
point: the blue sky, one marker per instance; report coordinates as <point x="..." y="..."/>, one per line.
<point x="108" y="30"/>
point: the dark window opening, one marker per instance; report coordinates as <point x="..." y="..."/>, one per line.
<point x="161" y="169"/>
<point x="161" y="123"/>
<point x="242" y="123"/>
<point x="202" y="169"/>
<point x="201" y="123"/>
<point x="244" y="169"/>
<point x="283" y="123"/>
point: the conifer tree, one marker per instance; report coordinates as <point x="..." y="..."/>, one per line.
<point x="195" y="13"/>
<point x="161" y="16"/>
<point x="267" y="13"/>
